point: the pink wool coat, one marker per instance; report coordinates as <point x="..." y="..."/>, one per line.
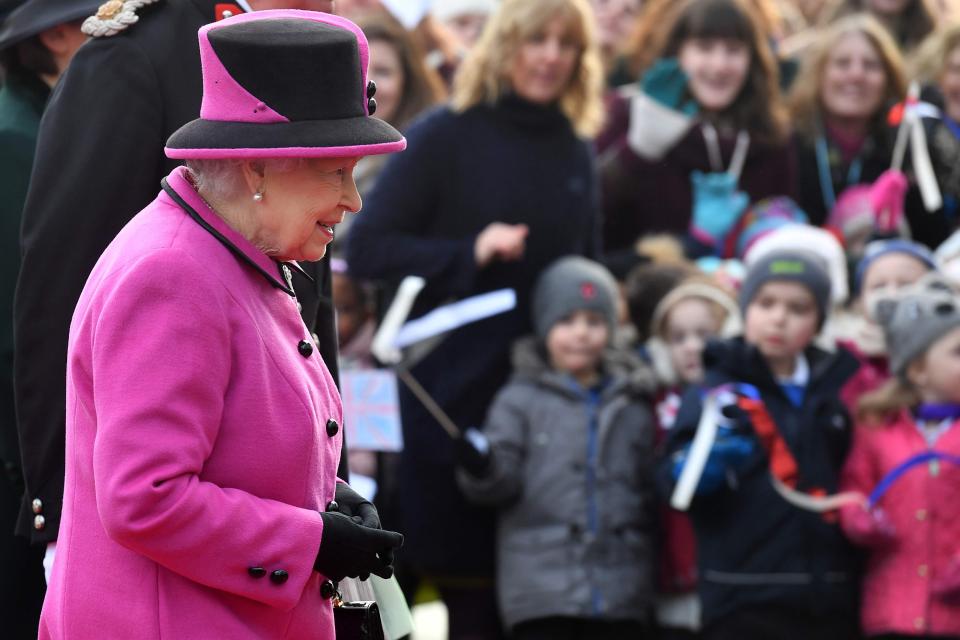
<point x="202" y="442"/>
<point x="922" y="507"/>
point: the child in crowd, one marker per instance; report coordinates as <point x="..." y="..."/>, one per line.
<point x="693" y="312"/>
<point x="769" y="569"/>
<point x="909" y="527"/>
<point x="886" y="266"/>
<point x="567" y="457"/>
<point x="356" y="324"/>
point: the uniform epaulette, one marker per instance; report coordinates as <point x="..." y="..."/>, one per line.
<point x="113" y="17"/>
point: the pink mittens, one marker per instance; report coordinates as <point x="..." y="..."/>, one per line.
<point x="887" y="194"/>
<point x="868" y="528"/>
<point x="947" y="583"/>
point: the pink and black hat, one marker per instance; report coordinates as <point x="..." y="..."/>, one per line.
<point x="284" y="84"/>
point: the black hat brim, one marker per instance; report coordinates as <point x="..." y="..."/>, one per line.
<point x="345" y="137"/>
<point x="36" y="16"/>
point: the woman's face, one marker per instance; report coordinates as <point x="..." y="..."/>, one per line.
<point x="296" y="218"/>
<point x="716" y="69"/>
<point x="467" y="27"/>
<point x="854" y="80"/>
<point x="885" y="8"/>
<point x="950" y="84"/>
<point x="544" y="64"/>
<point x="387" y="71"/>
<point x="615" y="19"/>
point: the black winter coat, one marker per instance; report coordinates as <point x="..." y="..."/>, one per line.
<point x="513" y="163"/>
<point x="754" y="548"/>
<point x="99" y="161"/>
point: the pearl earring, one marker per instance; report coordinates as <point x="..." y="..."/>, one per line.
<point x="258" y="196"/>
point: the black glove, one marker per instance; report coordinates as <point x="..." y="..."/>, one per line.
<point x="355" y="506"/>
<point x="473" y="452"/>
<point x="351" y="549"/>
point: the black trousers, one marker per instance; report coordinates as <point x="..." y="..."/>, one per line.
<point x="778" y="623"/>
<point x="579" y="629"/>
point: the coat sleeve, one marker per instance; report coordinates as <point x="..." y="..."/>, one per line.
<point x="506" y="429"/>
<point x="105" y="117"/>
<point x="393" y="236"/>
<point x="154" y="433"/>
<point x="860" y="471"/>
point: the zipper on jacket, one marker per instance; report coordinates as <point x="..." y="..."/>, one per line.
<point x="592" y="397"/>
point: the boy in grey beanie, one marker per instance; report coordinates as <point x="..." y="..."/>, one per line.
<point x="792" y="266"/>
<point x="572" y="284"/>
<point x="567" y="457"/>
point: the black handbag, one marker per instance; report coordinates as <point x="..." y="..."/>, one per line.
<point x="357" y="620"/>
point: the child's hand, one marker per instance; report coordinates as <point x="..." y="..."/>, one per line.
<point x="728" y="453"/>
<point x="869" y="528"/>
<point x="472" y="450"/>
<point x="947" y="583"/>
<point x="666" y="82"/>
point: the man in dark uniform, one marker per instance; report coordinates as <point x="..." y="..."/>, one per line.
<point x="99" y="161"/>
<point x="37" y="42"/>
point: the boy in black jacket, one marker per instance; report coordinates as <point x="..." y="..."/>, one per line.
<point x="769" y="569"/>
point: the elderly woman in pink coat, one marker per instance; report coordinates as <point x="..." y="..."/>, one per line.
<point x="203" y="428"/>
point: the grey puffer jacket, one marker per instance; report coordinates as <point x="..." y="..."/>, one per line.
<point x="572" y="473"/>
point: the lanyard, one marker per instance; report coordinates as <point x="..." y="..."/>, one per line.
<point x="826" y="176"/>
<point x="738" y="158"/>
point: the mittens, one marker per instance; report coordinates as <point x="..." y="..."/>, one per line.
<point x="887" y="195"/>
<point x="868" y="527"/>
<point x="728" y="453"/>
<point x="666" y="83"/>
<point x="351" y="549"/>
<point x="473" y="452"/>
<point x="659" y="117"/>
<point x="717" y="205"/>
<point x="946" y="584"/>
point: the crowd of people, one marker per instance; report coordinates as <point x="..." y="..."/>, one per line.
<point x="724" y="405"/>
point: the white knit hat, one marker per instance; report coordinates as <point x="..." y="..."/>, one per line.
<point x="812" y="239"/>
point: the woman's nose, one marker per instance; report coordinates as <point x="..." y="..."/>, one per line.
<point x="350" y="198"/>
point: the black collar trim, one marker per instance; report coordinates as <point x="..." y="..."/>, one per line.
<point x="284" y="283"/>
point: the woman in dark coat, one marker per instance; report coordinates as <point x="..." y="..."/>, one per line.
<point x="489" y="192"/>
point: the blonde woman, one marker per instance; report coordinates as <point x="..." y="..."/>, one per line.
<point x="839" y="102"/>
<point x="491" y="190"/>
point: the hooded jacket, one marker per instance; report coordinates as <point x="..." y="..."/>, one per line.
<point x="572" y="474"/>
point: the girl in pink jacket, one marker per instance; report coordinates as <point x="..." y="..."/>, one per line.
<point x="906" y="462"/>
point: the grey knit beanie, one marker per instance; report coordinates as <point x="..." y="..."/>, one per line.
<point x="571" y="284"/>
<point x="790" y="265"/>
<point x="915" y="318"/>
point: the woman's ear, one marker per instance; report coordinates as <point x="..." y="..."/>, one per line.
<point x="917" y="373"/>
<point x="254" y="174"/>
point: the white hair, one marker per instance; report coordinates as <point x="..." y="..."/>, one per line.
<point x="222" y="179"/>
